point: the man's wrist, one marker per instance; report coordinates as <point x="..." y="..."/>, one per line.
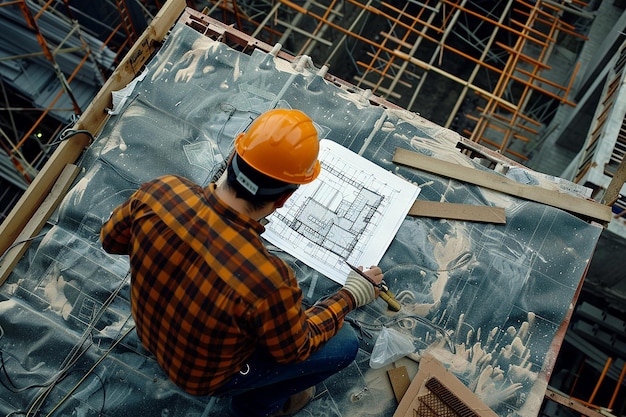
<point x="360" y="289"/>
<point x="349" y="298"/>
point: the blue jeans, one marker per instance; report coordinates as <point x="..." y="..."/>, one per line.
<point x="267" y="385"/>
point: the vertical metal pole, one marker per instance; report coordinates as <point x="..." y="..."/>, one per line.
<point x="617" y="387"/>
<point x="477" y="67"/>
<point x="607" y="365"/>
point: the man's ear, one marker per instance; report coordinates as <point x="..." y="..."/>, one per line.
<point x="282" y="199"/>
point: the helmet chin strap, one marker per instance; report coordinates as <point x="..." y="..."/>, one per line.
<point x="252" y="187"/>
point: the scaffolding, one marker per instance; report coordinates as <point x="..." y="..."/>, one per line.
<point x="492" y="71"/>
<point x="496" y="72"/>
<point x="600" y="165"/>
<point x="484" y="69"/>
<point x="54" y="59"/>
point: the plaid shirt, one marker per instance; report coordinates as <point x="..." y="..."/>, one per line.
<point x="205" y="293"/>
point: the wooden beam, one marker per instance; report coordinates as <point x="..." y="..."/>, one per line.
<point x="559" y="398"/>
<point x="399" y="379"/>
<point x="612" y="191"/>
<point x="38" y="220"/>
<point x="66" y="153"/>
<point x="430" y="367"/>
<point x="588" y="208"/>
<point x="95" y="115"/>
<point x="454" y="211"/>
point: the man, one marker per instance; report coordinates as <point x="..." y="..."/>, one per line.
<point x="220" y="313"/>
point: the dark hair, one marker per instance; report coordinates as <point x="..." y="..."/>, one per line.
<point x="253" y="186"/>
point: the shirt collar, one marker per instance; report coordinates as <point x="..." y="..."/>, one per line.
<point x="225" y="210"/>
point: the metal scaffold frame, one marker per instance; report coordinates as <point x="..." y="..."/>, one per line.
<point x="494" y="58"/>
<point x="13" y="142"/>
<point x="73" y="55"/>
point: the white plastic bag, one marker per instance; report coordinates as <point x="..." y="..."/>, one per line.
<point x="390" y="346"/>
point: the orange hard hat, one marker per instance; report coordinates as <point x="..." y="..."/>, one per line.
<point x="282" y="144"/>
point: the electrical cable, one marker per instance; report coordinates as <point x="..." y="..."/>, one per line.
<point x="15" y="389"/>
<point x="108" y="351"/>
<point x="10" y="385"/>
<point x="99" y="378"/>
<point x="76" y="353"/>
<point x="66" y="134"/>
<point x="17" y="244"/>
<point x="39" y="399"/>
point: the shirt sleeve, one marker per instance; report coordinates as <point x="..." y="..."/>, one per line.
<point x="115" y="233"/>
<point x="291" y="333"/>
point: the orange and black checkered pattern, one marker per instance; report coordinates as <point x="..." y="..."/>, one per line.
<point x="205" y="292"/>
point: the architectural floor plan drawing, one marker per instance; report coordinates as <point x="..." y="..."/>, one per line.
<point x="350" y="212"/>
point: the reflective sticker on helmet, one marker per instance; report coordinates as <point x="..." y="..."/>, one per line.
<point x="247" y="183"/>
<point x="243" y="179"/>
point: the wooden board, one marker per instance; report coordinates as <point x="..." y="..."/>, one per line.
<point x="456" y="211"/>
<point x="574" y="405"/>
<point x="38" y="220"/>
<point x="588" y="208"/>
<point x="66" y="153"/>
<point x="429" y="368"/>
<point x="399" y="378"/>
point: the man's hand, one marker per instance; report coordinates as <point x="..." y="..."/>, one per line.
<point x="375" y="273"/>
<point x="362" y="290"/>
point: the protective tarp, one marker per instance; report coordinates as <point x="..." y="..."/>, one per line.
<point x="485" y="299"/>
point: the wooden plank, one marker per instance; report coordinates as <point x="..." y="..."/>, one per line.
<point x="39" y="218"/>
<point x="456" y="211"/>
<point x="399" y="378"/>
<point x="91" y="120"/>
<point x="573" y="405"/>
<point x="615" y="186"/>
<point x="66" y="153"/>
<point x="431" y="368"/>
<point x="589" y="208"/>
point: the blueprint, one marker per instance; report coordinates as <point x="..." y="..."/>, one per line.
<point x="350" y="212"/>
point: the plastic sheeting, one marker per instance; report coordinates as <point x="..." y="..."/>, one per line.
<point x="484" y="299"/>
